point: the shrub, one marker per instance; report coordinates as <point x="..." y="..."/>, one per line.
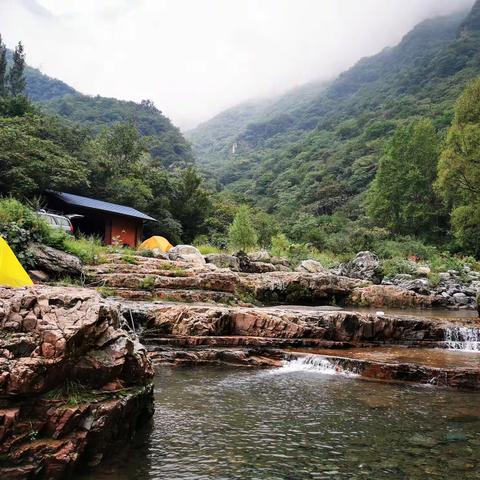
<point x="146" y="253"/>
<point x="147" y="283"/>
<point x="88" y="249"/>
<point x="206" y="248"/>
<point x="241" y="234"/>
<point x="395" y="266"/>
<point x="20" y="226"/>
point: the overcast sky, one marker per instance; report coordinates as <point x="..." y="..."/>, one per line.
<point x="194" y="58"/>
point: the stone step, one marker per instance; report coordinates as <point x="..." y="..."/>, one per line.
<point x="175" y="295"/>
<point x="222" y="282"/>
<point x="160" y="342"/>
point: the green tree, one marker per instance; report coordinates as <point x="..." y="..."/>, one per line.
<point x="32" y="160"/>
<point x="402" y="196"/>
<point x="16" y="75"/>
<point x="191" y="203"/>
<point x="241" y="234"/>
<point x="266" y="227"/>
<point x="3" y="68"/>
<point x="459" y="170"/>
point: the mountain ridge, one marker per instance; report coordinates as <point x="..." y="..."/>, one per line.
<point x="321" y="157"/>
<point x="55" y="97"/>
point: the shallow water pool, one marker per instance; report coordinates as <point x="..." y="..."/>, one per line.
<point x="289" y="423"/>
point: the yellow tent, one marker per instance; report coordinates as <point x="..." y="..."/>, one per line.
<point x="12" y="273"/>
<point x="156" y="242"/>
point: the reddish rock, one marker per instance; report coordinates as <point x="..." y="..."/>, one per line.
<point x="58" y="348"/>
<point x="339" y="326"/>
<point x="393" y="297"/>
<point x="154" y="278"/>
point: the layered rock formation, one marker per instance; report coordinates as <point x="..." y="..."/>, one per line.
<point x="180" y="333"/>
<point x="73" y="384"/>
<point x="154" y="278"/>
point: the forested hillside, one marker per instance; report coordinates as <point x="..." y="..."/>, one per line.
<point x="164" y="140"/>
<point x="322" y="154"/>
<point x="113" y="150"/>
<point x="214" y="140"/>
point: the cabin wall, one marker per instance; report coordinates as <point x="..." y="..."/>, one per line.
<point x="125" y="231"/>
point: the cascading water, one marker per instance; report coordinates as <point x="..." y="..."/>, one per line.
<point x="315" y="363"/>
<point x="463" y="338"/>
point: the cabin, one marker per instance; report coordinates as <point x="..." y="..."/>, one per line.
<point x="114" y="224"/>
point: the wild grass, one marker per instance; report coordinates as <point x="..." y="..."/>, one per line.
<point x="207" y="248"/>
<point x="72" y="392"/>
<point x="147" y="283"/>
<point x="88" y="249"/>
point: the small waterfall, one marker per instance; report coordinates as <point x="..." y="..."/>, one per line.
<point x="463" y="338"/>
<point x="315" y="363"/>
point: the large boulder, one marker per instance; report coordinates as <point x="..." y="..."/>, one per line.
<point x="223" y="260"/>
<point x="259" y="323"/>
<point x="247" y="265"/>
<point x="365" y="266"/>
<point x="263" y="256"/>
<point x="311" y="266"/>
<point x="56" y="262"/>
<point x="186" y="253"/>
<point x="393" y="297"/>
<point x="74" y="383"/>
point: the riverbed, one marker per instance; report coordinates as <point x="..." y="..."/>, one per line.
<point x="300" y="422"/>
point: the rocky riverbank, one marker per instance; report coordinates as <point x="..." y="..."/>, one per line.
<point x="73" y="383"/>
<point x="179" y="335"/>
<point x="143" y="278"/>
<point x="75" y="378"/>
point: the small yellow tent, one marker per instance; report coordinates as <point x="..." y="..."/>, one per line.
<point x="156" y="242"/>
<point x="12" y="273"/>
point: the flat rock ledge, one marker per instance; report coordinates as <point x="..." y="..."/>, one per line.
<point x="73" y="384"/>
<point x="143" y="278"/>
<point x="186" y="335"/>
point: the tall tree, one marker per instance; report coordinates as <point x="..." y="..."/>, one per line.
<point x="3" y="67"/>
<point x="402" y="197"/>
<point x="191" y="203"/>
<point x="16" y="75"/>
<point x="241" y="234"/>
<point x="459" y="170"/>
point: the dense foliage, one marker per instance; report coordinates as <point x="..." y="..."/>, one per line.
<point x="401" y="196"/>
<point x="311" y="162"/>
<point x="459" y="170"/>
<point x="19" y="226"/>
<point x="116" y="151"/>
<point x="164" y="140"/>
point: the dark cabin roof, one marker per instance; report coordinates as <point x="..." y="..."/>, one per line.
<point x="85" y="202"/>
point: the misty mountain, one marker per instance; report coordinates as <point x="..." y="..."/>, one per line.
<point x="56" y="97"/>
<point x="317" y="148"/>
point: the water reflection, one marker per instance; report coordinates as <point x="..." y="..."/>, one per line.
<point x="213" y="423"/>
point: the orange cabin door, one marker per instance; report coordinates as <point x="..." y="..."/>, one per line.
<point x="124" y="231"/>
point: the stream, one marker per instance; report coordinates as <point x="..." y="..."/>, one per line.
<point x="300" y="422"/>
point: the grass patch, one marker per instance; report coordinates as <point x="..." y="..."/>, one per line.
<point x="128" y="257"/>
<point x="147" y="283"/>
<point x="88" y="249"/>
<point x="146" y="253"/>
<point x="106" y="291"/>
<point x="69" y="282"/>
<point x="179" y="272"/>
<point x="72" y="392"/>
<point x="206" y="249"/>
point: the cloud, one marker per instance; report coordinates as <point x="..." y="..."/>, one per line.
<point x="194" y="58"/>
